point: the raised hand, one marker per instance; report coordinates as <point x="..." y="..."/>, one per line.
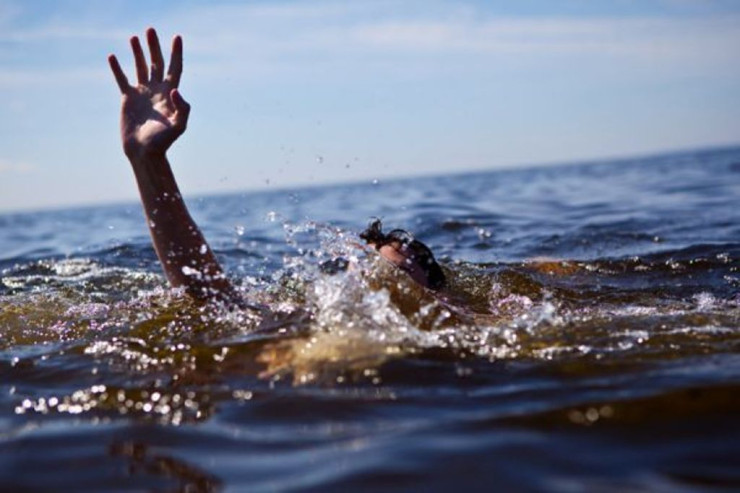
<point x="153" y="116"/>
<point x="153" y="112"/>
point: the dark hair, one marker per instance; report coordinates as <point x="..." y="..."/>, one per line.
<point x="373" y="235"/>
<point x="417" y="251"/>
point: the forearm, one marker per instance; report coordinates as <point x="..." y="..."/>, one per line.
<point x="185" y="256"/>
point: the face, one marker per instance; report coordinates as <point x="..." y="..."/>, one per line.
<point x="393" y="252"/>
<point x="401" y="257"/>
<point x="406" y="253"/>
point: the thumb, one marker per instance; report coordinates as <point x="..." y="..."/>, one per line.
<point x="182" y="109"/>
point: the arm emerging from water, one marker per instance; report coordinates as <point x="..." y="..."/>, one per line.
<point x="153" y="115"/>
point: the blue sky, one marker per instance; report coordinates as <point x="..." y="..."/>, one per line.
<point x="309" y="92"/>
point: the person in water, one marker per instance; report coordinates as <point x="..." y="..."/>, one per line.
<point x="153" y="116"/>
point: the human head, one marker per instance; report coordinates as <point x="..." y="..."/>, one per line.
<point x="407" y="253"/>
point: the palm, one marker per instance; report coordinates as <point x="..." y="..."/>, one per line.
<point x="147" y="118"/>
<point x="153" y="113"/>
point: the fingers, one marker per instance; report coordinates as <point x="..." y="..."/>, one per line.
<point x="157" y="66"/>
<point x="142" y="74"/>
<point x="155" y="52"/>
<point x="175" y="70"/>
<point x="182" y="110"/>
<point x="121" y="79"/>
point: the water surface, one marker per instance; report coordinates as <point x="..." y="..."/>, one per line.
<point x="589" y="341"/>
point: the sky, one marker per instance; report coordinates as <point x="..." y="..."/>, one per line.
<point x="293" y="93"/>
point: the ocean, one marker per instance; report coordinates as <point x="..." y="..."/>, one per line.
<point x="589" y="339"/>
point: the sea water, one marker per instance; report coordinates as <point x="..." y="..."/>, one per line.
<point x="589" y="339"/>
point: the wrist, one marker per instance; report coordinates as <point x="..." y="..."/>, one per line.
<point x="145" y="158"/>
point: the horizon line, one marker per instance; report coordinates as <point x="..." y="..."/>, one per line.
<point x="265" y="189"/>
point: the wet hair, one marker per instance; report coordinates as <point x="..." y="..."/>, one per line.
<point x="417" y="252"/>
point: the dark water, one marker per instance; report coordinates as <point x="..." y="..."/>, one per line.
<point x="590" y="340"/>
